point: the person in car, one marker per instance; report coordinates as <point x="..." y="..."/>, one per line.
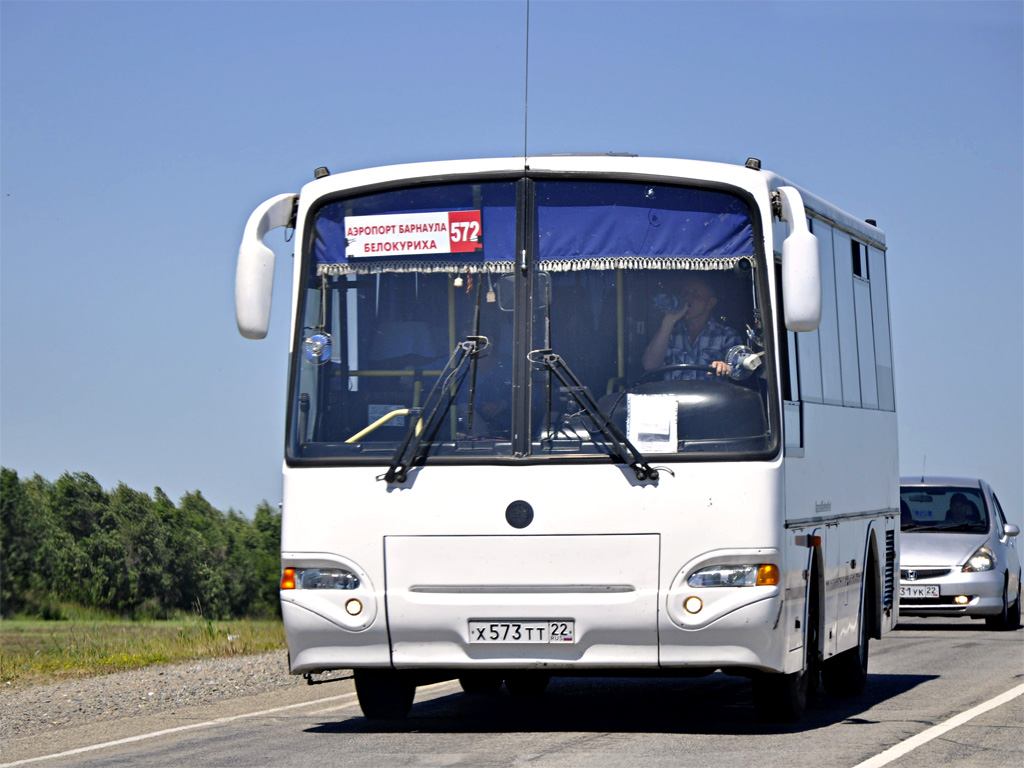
<point x="959" y="509"/>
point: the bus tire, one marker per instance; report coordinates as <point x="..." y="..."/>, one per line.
<point x="780" y="698"/>
<point x="846" y="673"/>
<point x="527" y="682"/>
<point x="384" y="694"/>
<point x="486" y="683"/>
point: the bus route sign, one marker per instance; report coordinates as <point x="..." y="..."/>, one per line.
<point x="413" y="234"/>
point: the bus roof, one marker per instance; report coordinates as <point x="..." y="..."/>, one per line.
<point x="757" y="181"/>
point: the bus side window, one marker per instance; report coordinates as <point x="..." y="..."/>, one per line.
<point x="792" y="421"/>
<point x="883" y="344"/>
<point x="787" y="344"/>
<point x="865" y="332"/>
<point x="828" y="331"/>
<point x="809" y="355"/>
<point x="848" y="354"/>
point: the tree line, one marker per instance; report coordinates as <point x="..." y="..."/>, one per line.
<point x="132" y="554"/>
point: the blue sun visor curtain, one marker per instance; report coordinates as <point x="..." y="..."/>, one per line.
<point x="579" y="225"/>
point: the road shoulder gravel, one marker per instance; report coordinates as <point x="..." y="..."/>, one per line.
<point x="52" y="718"/>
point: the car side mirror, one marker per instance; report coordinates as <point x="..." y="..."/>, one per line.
<point x="1011" y="530"/>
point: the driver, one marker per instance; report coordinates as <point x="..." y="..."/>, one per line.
<point x="959" y="509"/>
<point x="691" y="335"/>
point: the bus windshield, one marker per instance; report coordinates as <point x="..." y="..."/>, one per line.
<point x="430" y="315"/>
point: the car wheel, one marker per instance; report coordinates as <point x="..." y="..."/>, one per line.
<point x="1014" y="613"/>
<point x="1001" y="621"/>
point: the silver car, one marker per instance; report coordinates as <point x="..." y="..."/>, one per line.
<point x="958" y="555"/>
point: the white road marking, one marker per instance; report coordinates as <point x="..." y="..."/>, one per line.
<point x="208" y="723"/>
<point x="879" y="760"/>
<point x="898" y="750"/>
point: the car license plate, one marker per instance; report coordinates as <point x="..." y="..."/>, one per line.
<point x="919" y="591"/>
<point x="518" y="632"/>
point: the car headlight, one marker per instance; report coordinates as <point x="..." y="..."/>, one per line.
<point x="982" y="560"/>
<point x="760" y="575"/>
<point x="319" y="578"/>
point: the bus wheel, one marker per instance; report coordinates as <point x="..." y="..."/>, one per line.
<point x="847" y="673"/>
<point x="481" y="682"/>
<point x="384" y="694"/>
<point x="527" y="683"/>
<point x="780" y="698"/>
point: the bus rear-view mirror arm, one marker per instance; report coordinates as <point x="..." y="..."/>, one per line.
<point x="254" y="274"/>
<point x="801" y="267"/>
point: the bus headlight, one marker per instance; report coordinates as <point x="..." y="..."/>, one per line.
<point x="319" y="578"/>
<point x="982" y="560"/>
<point x="761" y="575"/>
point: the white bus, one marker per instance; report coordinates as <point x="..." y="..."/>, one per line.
<point x="484" y="479"/>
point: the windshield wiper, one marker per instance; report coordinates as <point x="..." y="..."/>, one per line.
<point x="618" y="442"/>
<point x="422" y="431"/>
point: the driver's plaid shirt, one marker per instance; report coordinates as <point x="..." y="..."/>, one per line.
<point x="712" y="344"/>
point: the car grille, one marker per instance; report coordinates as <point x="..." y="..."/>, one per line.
<point x="923" y="573"/>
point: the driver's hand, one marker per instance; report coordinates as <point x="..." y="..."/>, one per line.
<point x="721" y="367"/>
<point x="669" y="319"/>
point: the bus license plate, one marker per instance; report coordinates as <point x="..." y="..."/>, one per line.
<point x="920" y="591"/>
<point x="522" y="632"/>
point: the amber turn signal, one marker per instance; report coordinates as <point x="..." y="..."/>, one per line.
<point x="288" y="579"/>
<point x="767" y="575"/>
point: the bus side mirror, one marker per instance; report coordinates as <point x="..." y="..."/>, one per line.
<point x="254" y="274"/>
<point x="801" y="268"/>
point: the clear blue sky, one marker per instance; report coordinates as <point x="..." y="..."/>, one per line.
<point x="137" y="137"/>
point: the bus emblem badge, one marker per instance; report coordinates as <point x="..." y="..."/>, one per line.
<point x="519" y="514"/>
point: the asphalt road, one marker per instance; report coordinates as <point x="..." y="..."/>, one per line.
<point x="922" y="675"/>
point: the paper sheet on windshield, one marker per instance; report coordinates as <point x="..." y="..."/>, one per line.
<point x="651" y="423"/>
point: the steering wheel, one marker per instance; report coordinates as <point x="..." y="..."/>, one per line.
<point x="675" y="367"/>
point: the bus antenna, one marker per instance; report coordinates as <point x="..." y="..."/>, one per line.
<point x="526" y="89"/>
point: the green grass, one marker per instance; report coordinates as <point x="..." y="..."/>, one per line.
<point x="35" y="651"/>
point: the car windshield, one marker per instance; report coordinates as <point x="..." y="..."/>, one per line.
<point x="942" y="509"/>
<point x="424" y="324"/>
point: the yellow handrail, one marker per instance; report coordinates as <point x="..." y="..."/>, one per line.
<point x="381" y="421"/>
